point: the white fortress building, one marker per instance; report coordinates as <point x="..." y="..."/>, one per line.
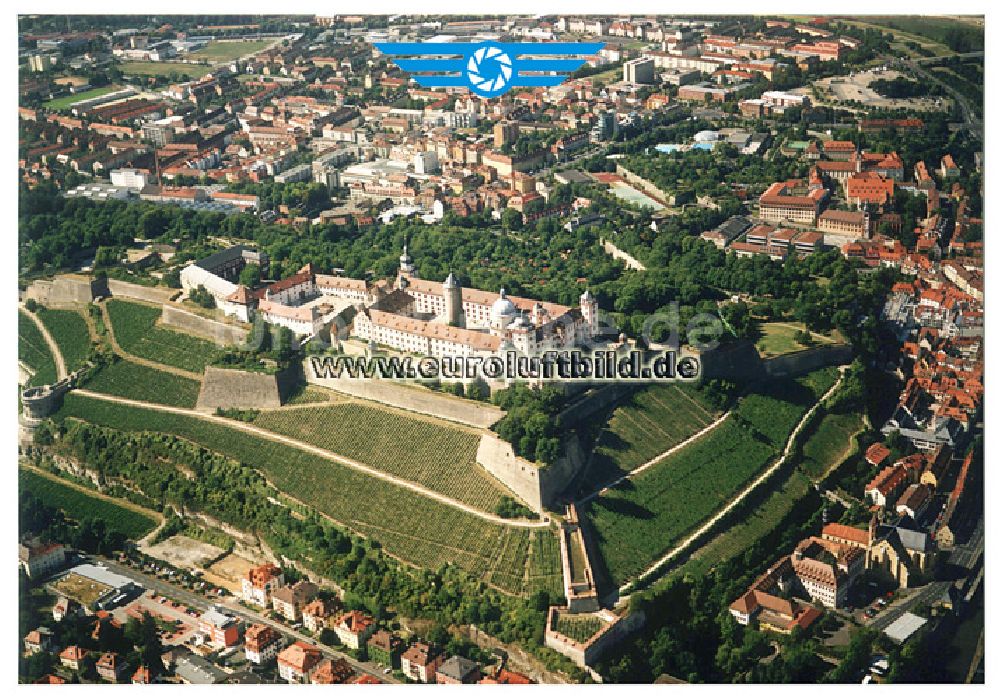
<point x="408" y="314"/>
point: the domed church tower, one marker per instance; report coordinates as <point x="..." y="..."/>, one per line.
<point x="406" y="266"/>
<point x="502" y="312"/>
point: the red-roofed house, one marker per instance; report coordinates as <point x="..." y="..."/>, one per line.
<point x="354" y="628"/>
<point x="876" y="454"/>
<point x="886" y="484"/>
<point x="297" y="661"/>
<point x="260" y="582"/>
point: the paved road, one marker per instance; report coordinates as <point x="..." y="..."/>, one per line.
<point x="325" y="454"/>
<point x="972" y="122"/>
<point x="710" y="523"/>
<point x="195" y="600"/>
<point x="61" y="372"/>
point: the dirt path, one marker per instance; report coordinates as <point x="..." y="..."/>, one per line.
<point x="762" y="478"/>
<point x="61" y="372"/>
<point x="140" y="360"/>
<point x="325" y="454"/>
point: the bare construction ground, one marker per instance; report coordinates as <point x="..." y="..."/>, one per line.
<point x="184" y="552"/>
<point x="855" y="88"/>
<point x="229" y="572"/>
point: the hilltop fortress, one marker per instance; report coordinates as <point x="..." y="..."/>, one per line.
<point x="408" y="314"/>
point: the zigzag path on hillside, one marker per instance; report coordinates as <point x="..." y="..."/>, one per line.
<point x="320" y="452"/>
<point x="739" y="498"/>
<point x="61" y="372"/>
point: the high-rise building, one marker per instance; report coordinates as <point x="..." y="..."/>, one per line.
<point x="640" y="71"/>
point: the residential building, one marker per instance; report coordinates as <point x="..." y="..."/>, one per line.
<point x="297" y="661"/>
<point x="260" y="582"/>
<point x="640" y="71"/>
<point x="914" y="501"/>
<point x="110" y="667"/>
<point x="289" y="600"/>
<point x="73" y="657"/>
<point x="261" y="643"/>
<point x="354" y="628"/>
<point x="385" y="648"/>
<point x="38" y="640"/>
<point x="887" y="484"/>
<point x="332" y="672"/>
<point x="316" y="614"/>
<point x="458" y="670"/>
<point x="421" y="661"/>
<point x="38" y="559"/>
<point x="219" y="628"/>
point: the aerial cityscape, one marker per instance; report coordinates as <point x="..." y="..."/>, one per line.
<point x="500" y="349"/>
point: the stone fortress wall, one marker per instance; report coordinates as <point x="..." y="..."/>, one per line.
<point x="189" y="322"/>
<point x="475" y="414"/>
<point x="234" y="388"/>
<point x="67" y="289"/>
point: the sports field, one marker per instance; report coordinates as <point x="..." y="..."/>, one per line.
<point x="64" y="102"/>
<point x="195" y="70"/>
<point x="221" y="51"/>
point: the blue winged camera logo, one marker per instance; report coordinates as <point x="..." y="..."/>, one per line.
<point x="489" y="68"/>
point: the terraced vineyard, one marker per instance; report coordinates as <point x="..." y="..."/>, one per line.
<point x="71" y="334"/>
<point x="580" y="627"/>
<point x="647" y="424"/>
<point x="136" y="331"/>
<point x="751" y="527"/>
<point x="78" y="505"/>
<point x="641" y="518"/>
<point x="430" y="453"/>
<point x="409" y="526"/>
<point x="33" y="351"/>
<point x="544" y="563"/>
<point x="132" y="381"/>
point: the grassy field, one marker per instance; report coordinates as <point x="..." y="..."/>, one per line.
<point x="427" y="452"/>
<point x="829" y="442"/>
<point x="637" y="521"/>
<point x="77" y="505"/>
<point x="409" y="526"/>
<point x="136" y="331"/>
<point x="221" y="51"/>
<point x="777" y="338"/>
<point x="61" y="103"/>
<point x="195" y="70"/>
<point x="71" y="334"/>
<point x="34" y="351"/>
<point x="647" y="424"/>
<point x="132" y="381"/>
